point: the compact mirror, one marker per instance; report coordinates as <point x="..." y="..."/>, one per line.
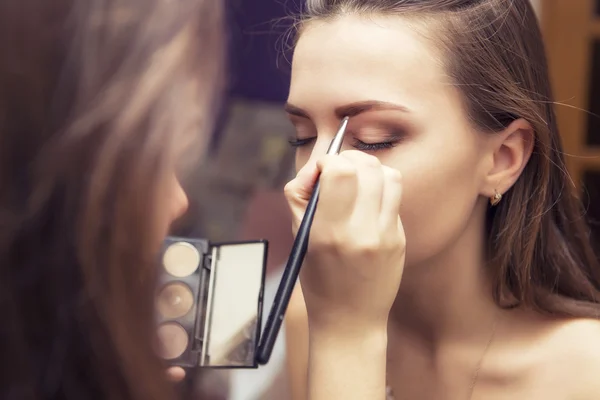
<point x="209" y="302"/>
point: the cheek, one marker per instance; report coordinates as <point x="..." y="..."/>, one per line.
<point x="302" y="158"/>
<point x="439" y="196"/>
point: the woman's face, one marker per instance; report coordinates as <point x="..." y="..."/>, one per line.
<point x="403" y="109"/>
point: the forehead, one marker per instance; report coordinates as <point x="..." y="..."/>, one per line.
<point x="353" y="58"/>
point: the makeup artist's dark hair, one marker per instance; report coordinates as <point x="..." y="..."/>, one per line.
<point x="97" y="98"/>
<point x="540" y="251"/>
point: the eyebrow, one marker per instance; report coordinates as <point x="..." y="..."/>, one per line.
<point x="350" y="110"/>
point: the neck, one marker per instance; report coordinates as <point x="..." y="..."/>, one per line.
<point x="449" y="298"/>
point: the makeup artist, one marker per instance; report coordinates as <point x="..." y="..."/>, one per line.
<point x="102" y="105"/>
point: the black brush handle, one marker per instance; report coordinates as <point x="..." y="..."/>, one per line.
<point x="288" y="281"/>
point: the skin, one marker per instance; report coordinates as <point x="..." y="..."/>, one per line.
<point x="432" y="334"/>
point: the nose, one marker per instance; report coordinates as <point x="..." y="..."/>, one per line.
<point x="180" y="202"/>
<point x="322" y="145"/>
<point x="319" y="148"/>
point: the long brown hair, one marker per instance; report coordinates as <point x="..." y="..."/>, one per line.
<point x="493" y="51"/>
<point x="98" y="99"/>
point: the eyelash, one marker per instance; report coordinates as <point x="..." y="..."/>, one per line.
<point x="358" y="144"/>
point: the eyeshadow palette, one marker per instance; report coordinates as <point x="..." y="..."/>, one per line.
<point x="209" y="302"/>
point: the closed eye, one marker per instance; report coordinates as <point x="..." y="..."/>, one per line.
<point x="362" y="146"/>
<point x="301" y="142"/>
<point x="357" y="144"/>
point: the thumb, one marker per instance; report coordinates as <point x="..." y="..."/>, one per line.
<point x="301" y="187"/>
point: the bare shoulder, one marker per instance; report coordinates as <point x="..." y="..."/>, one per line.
<point x="574" y="346"/>
<point x="296" y="311"/>
<point x="578" y="338"/>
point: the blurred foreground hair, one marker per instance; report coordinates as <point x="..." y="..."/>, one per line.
<point x="98" y="100"/>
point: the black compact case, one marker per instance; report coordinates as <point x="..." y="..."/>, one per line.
<point x="209" y="302"/>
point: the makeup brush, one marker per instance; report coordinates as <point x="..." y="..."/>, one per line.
<point x="294" y="262"/>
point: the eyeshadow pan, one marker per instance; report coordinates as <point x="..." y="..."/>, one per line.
<point x="175" y="300"/>
<point x="181" y="259"/>
<point x="208" y="302"/>
<point x="173" y="340"/>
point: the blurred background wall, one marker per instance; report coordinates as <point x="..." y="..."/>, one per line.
<point x="572" y="33"/>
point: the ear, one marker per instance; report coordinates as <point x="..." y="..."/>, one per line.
<point x="511" y="150"/>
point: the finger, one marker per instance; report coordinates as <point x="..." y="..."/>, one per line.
<point x="370" y="186"/>
<point x="338" y="188"/>
<point x="175" y="374"/>
<point x="392" y="198"/>
<point x="301" y="187"/>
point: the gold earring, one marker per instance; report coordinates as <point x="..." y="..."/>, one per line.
<point x="496" y="198"/>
